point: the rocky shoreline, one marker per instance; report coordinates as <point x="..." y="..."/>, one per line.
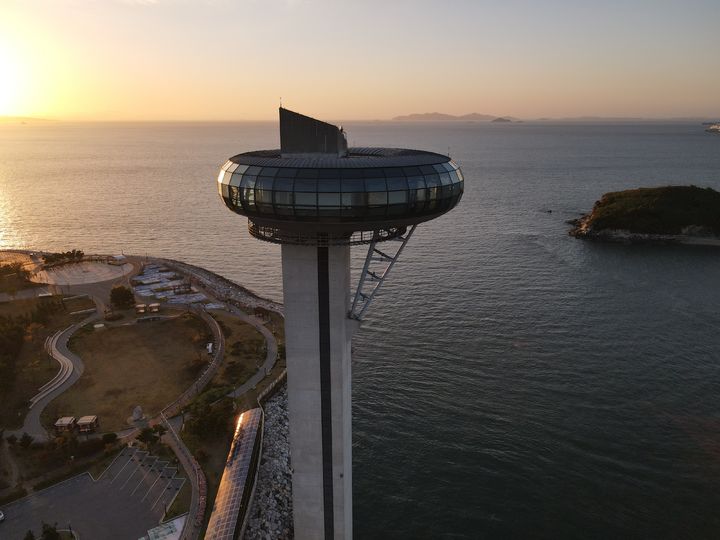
<point x="224" y="288"/>
<point x="581" y="229"/>
<point x="270" y="515"/>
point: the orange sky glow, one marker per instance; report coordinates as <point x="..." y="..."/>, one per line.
<point x="342" y="60"/>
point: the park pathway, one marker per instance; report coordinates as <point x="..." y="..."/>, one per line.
<point x="59" y="351"/>
<point x="270" y="356"/>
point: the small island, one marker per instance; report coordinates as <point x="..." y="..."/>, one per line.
<point x="671" y="214"/>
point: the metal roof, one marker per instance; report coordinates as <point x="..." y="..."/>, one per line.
<point x="225" y="521"/>
<point x="357" y="158"/>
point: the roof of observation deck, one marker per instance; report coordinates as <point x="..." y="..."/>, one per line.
<point x="356" y="158"/>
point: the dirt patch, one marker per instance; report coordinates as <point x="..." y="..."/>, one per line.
<point x="148" y="364"/>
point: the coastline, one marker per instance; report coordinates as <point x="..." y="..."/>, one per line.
<point x="619" y="236"/>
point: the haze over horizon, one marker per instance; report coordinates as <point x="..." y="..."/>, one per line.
<point x="224" y="60"/>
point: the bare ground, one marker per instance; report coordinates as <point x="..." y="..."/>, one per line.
<point x="148" y="364"/>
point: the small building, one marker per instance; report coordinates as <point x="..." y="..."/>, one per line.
<point x="88" y="424"/>
<point x="117" y="260"/>
<point x="154" y="308"/>
<point x="209" y="348"/>
<point x="140" y="308"/>
<point x="65" y="424"/>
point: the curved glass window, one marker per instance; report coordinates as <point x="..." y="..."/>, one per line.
<point x="394" y="184"/>
<point x="306" y="184"/>
<point x="375" y="184"/>
<point x="397" y="197"/>
<point x="284" y="198"/>
<point x="373" y="173"/>
<point x="263" y="196"/>
<point x="362" y="194"/>
<point x="268" y="171"/>
<point x="236" y="179"/>
<point x="306" y="199"/>
<point x="329" y="199"/>
<point x="284" y="184"/>
<point x="264" y="182"/>
<point x="248" y="182"/>
<point x="353" y="184"/>
<point x="376" y="198"/>
<point x="308" y="173"/>
<point x="329" y="184"/>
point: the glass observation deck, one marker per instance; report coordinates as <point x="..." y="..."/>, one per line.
<point x="380" y="189"/>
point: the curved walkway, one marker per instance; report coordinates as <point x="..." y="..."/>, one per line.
<point x="71" y="368"/>
<point x="270" y="357"/>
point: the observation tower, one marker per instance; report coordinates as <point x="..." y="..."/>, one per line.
<point x="317" y="197"/>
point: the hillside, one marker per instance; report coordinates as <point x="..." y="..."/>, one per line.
<point x="671" y="210"/>
<point x="442" y="117"/>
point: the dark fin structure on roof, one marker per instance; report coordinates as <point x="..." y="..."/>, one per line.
<point x="301" y="135"/>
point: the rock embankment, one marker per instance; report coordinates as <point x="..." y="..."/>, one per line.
<point x="270" y="515"/>
<point x="223" y="288"/>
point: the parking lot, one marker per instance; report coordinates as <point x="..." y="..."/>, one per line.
<point x="129" y="498"/>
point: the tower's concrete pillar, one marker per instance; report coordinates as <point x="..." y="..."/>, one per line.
<point x="316" y="284"/>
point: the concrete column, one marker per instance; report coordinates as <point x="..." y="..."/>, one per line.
<point x="316" y="284"/>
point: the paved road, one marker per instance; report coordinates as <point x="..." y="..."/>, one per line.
<point x="128" y="499"/>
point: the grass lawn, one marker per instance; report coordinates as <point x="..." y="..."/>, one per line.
<point x="18" y="308"/>
<point x="212" y="454"/>
<point x="244" y="351"/>
<point x="35" y="367"/>
<point x="79" y="304"/>
<point x="148" y="364"/>
<point x="181" y="504"/>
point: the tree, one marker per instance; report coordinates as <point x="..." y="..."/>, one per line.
<point x="26" y="440"/>
<point x="29" y="536"/>
<point x="122" y="297"/>
<point x="148" y="436"/>
<point x="159" y="429"/>
<point x="49" y="532"/>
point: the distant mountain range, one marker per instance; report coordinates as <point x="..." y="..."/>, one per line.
<point x="442" y="117"/>
<point x="478" y="117"/>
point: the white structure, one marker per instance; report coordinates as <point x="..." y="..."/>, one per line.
<point x="317" y="198"/>
<point x="316" y="285"/>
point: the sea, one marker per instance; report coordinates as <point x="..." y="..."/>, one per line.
<point x="510" y="381"/>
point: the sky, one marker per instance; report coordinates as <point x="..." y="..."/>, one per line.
<point x="358" y="60"/>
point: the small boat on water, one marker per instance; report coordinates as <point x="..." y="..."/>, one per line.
<point x="713" y="128"/>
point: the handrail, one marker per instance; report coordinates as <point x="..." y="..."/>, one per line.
<point x="186" y="397"/>
<point x="198" y="499"/>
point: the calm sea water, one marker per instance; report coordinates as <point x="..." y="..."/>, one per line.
<point x="511" y="381"/>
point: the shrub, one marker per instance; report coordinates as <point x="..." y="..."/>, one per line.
<point x="17" y="493"/>
<point x="89" y="447"/>
<point x="109" y="438"/>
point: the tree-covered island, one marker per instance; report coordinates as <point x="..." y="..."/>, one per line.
<point x="683" y="214"/>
